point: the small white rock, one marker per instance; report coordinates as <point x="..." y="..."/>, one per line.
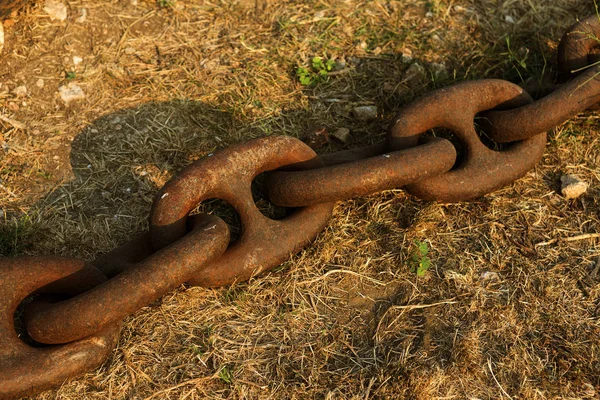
<point x="490" y="276"/>
<point x="509" y="19"/>
<point x="572" y="186"/>
<point x="56" y="9"/>
<point x="365" y="113"/>
<point x="71" y="92"/>
<point x="428" y="14"/>
<point x="20" y="91"/>
<point x="82" y="17"/>
<point x="341" y="134"/>
<point x="40" y="83"/>
<point x="77" y="60"/>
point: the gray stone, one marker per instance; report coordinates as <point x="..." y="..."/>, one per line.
<point x="365" y="113"/>
<point x="572" y="186"/>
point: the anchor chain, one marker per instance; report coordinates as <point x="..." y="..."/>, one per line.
<point x="78" y="307"/>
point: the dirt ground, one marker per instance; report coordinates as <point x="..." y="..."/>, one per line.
<point x="510" y="305"/>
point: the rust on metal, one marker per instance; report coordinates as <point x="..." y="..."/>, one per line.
<point x="227" y="174"/>
<point x="481" y="169"/>
<point x="26" y="370"/>
<point x="125" y="256"/>
<point x="390" y="170"/>
<point x="345" y="156"/>
<point x="546" y="113"/>
<point x="134" y="288"/>
<point x="578" y="52"/>
<point x="580" y="46"/>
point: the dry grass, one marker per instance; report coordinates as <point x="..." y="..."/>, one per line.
<point x="345" y="318"/>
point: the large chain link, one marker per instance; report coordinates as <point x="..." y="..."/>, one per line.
<point x="179" y="248"/>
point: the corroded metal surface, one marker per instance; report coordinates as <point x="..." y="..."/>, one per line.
<point x="134" y="288"/>
<point x="579" y="49"/>
<point x="357" y="154"/>
<point x="481" y="170"/>
<point x="343" y="181"/>
<point x="26" y="370"/>
<point x="532" y="119"/>
<point x="227" y="175"/>
<point x="580" y="46"/>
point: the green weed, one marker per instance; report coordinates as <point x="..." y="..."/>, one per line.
<point x="420" y="263"/>
<point x="225" y="375"/>
<point x="317" y="72"/>
<point x="166" y="3"/>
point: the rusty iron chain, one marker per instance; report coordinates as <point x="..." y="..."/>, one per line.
<point x="78" y="307"/>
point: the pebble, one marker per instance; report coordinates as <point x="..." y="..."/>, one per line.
<point x="71" y="92"/>
<point x="82" y="17"/>
<point x="365" y="113"/>
<point x="572" y="186"/>
<point x="509" y="19"/>
<point x="415" y="72"/>
<point x="56" y="9"/>
<point x="77" y="60"/>
<point x="407" y="55"/>
<point x="20" y="91"/>
<point x="490" y="276"/>
<point x="341" y="134"/>
<point x="40" y="83"/>
<point x="316" y="138"/>
<point x="339" y="65"/>
<point x="440" y="72"/>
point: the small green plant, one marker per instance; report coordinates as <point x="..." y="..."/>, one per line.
<point x="225" y="375"/>
<point x="420" y="263"/>
<point x="317" y="72"/>
<point x="70" y="75"/>
<point x="166" y="3"/>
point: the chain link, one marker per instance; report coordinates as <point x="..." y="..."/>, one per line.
<point x="227" y="175"/>
<point x="24" y="369"/>
<point x="480" y="170"/>
<point x="134" y="288"/>
<point x="390" y="170"/>
<point x="176" y="249"/>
